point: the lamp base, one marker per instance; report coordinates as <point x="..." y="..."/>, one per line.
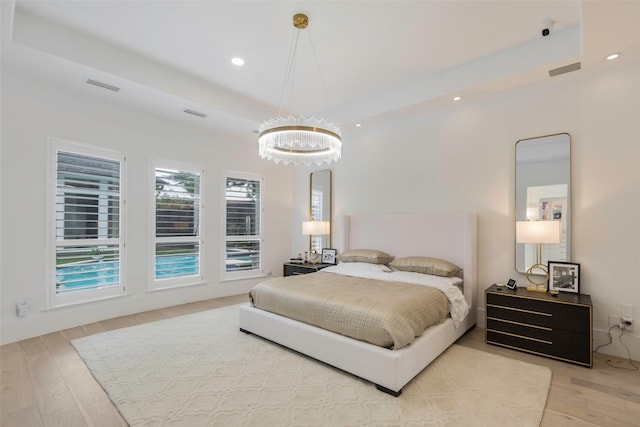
<point x="537" y="286"/>
<point x="314" y="258"/>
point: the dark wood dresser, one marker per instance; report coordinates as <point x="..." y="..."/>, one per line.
<point x="295" y="269"/>
<point x="559" y="327"/>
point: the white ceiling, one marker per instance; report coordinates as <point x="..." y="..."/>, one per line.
<point x="378" y="59"/>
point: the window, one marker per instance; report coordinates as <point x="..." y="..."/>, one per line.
<point x="177" y="225"/>
<point x="317" y="203"/>
<point x="87" y="224"/>
<point x="243" y="242"/>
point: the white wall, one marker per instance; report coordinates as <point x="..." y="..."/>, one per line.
<point x="462" y="159"/>
<point x="458" y="159"/>
<point x="31" y="112"/>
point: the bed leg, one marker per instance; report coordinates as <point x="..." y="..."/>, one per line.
<point x="389" y="391"/>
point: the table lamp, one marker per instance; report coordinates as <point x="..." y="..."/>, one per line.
<point x="538" y="233"/>
<point x="315" y="228"/>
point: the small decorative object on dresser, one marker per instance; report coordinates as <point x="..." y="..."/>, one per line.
<point x="314" y="257"/>
<point x="559" y="327"/>
<point x="329" y="256"/>
<point x="564" y="277"/>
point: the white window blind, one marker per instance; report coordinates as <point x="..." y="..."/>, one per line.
<point x="243" y="224"/>
<point x="87" y="223"/>
<point x="177" y="219"/>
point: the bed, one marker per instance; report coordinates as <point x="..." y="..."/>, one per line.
<point x="451" y="236"/>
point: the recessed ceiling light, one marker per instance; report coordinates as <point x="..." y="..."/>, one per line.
<point x="194" y="113"/>
<point x="237" y="61"/>
<point x="457" y="98"/>
<point x="613" y="56"/>
<point x="102" y="85"/>
<point x="358" y="125"/>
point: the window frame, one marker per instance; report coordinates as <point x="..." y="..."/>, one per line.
<point x="53" y="299"/>
<point x="175" y="281"/>
<point x="242" y="274"/>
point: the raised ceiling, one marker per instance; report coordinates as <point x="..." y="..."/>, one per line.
<point x="377" y="59"/>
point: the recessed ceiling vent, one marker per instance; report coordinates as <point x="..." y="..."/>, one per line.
<point x="102" y="85"/>
<point x="195" y="113"/>
<point x="566" y="69"/>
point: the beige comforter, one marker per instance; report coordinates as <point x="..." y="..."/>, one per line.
<point x="387" y="314"/>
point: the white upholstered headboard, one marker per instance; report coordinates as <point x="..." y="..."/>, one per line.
<point x="447" y="235"/>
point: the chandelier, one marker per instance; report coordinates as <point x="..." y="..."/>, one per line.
<point x="298" y="139"/>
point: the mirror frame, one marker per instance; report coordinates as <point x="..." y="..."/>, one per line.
<point x="520" y="216"/>
<point x="327" y="238"/>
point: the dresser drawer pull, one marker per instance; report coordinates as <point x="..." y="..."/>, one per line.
<point x="521" y="310"/>
<point x="520" y="336"/>
<point x="519" y="323"/>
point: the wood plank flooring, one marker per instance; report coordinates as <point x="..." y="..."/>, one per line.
<point x="45" y="383"/>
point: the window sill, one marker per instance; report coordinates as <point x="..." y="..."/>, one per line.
<point x="257" y="275"/>
<point x="52" y="307"/>
<point x="153" y="288"/>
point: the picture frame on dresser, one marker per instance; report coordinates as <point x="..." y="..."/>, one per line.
<point x="329" y="256"/>
<point x="563" y="276"/>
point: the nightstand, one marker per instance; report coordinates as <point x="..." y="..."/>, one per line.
<point x="559" y="327"/>
<point x="306" y="268"/>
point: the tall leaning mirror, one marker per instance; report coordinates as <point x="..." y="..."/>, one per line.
<point x="320" y="210"/>
<point x="543" y="193"/>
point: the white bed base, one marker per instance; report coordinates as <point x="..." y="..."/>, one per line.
<point x="450" y="236"/>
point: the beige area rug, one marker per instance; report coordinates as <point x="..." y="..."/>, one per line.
<point x="200" y="370"/>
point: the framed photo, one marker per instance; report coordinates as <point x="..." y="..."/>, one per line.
<point x="564" y="277"/>
<point x="329" y="256"/>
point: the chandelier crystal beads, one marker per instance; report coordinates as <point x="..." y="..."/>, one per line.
<point x="299" y="140"/>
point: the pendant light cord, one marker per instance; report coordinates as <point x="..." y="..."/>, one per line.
<point x="315" y="56"/>
<point x="290" y="69"/>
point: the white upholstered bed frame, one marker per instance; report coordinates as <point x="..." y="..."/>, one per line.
<point x="447" y="235"/>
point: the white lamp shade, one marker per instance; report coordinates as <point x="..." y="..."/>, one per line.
<point x="538" y="231"/>
<point x="315" y="228"/>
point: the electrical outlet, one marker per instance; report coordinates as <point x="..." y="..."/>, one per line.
<point x="616" y="320"/>
<point x="22" y="308"/>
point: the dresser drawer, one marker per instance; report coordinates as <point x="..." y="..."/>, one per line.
<point x="533" y="332"/>
<point x="569" y="347"/>
<point x="292" y="270"/>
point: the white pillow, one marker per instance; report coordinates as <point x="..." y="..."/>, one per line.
<point x="357" y="266"/>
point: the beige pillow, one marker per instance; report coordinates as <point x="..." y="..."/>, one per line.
<point x="426" y="265"/>
<point x="371" y="256"/>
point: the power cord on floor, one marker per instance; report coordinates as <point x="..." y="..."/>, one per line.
<point x="608" y="362"/>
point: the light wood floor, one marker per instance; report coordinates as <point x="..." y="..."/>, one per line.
<point x="45" y="383"/>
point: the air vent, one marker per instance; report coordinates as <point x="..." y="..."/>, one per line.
<point x="195" y="113"/>
<point x="566" y="69"/>
<point x="102" y="85"/>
